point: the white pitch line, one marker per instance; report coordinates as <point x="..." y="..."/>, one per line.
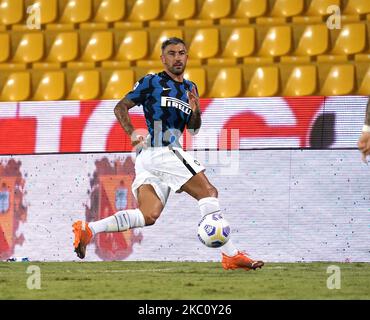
<point x="125" y="271"/>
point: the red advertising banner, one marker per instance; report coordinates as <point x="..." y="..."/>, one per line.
<point x="236" y="123"/>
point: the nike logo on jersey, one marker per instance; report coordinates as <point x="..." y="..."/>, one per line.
<point x="166" y="89"/>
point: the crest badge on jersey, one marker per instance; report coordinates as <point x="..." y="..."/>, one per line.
<point x="111" y="192"/>
<point x="12" y="209"/>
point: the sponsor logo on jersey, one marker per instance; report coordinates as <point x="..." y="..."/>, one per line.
<point x="170" y="102"/>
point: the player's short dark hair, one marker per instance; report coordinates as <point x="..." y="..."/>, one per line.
<point x="170" y="41"/>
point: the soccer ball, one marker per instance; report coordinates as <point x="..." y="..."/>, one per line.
<point x="213" y="230"/>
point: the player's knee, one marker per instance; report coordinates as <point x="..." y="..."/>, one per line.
<point x="212" y="191"/>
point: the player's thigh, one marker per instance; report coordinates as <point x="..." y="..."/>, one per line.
<point x="199" y="187"/>
<point x="149" y="203"/>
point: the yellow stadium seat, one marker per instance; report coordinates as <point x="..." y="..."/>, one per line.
<point x="363" y="57"/>
<point x="319" y="7"/>
<point x="227" y="83"/>
<point x="11" y="11"/>
<point x="210" y="10"/>
<point x="198" y="76"/>
<point x="287" y="8"/>
<point x="175" y="12"/>
<point x="204" y="44"/>
<point x="81" y="65"/>
<point x="351" y="40"/>
<point x="277" y="42"/>
<point x="313" y="41"/>
<point x="5" y="47"/>
<point x="99" y="47"/>
<point x="246" y="11"/>
<point x="110" y="11"/>
<point x="86" y="86"/>
<point x="50" y="87"/>
<point x="48" y="10"/>
<point x="264" y="82"/>
<point x="302" y="81"/>
<point x="133" y="47"/>
<point x="357" y="7"/>
<point x="250" y="9"/>
<point x="145" y="10"/>
<point x="240" y="43"/>
<point x="120" y="82"/>
<point x="316" y="11"/>
<point x="30" y="48"/>
<point x="154" y="57"/>
<point x="13" y="66"/>
<point x="339" y="81"/>
<point x="281" y="10"/>
<point x="180" y="10"/>
<point x="364" y="85"/>
<point x="76" y="11"/>
<point x="17" y="87"/>
<point x="62" y="27"/>
<point x="215" y="9"/>
<point x="64" y="48"/>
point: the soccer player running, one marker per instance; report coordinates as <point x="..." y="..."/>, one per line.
<point x="364" y="140"/>
<point x="170" y="104"/>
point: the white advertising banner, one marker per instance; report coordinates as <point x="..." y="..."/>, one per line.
<point x="283" y="206"/>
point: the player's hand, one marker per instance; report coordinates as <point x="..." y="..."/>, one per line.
<point x="138" y="141"/>
<point x="193" y="99"/>
<point x="364" y="145"/>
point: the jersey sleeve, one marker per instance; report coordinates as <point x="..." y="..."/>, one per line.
<point x="140" y="92"/>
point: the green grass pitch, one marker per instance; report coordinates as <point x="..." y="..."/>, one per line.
<point x="181" y="280"/>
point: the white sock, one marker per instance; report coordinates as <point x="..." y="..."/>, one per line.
<point x="229" y="249"/>
<point x="120" y="221"/>
<point x="212" y="205"/>
<point x="209" y="205"/>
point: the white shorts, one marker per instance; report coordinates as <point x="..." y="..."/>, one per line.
<point x="164" y="168"/>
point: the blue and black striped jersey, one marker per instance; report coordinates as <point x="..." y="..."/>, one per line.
<point x="166" y="106"/>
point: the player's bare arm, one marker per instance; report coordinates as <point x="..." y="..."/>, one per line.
<point x="195" y="121"/>
<point x="364" y="141"/>
<point x="367" y="116"/>
<point x="122" y="115"/>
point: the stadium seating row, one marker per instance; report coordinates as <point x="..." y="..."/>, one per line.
<point x="272" y="80"/>
<point x="213" y="46"/>
<point x="136" y="13"/>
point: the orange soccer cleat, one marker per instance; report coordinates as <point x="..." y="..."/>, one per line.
<point x="83" y="236"/>
<point x="240" y="261"/>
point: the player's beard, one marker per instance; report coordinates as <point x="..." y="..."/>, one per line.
<point x="178" y="70"/>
